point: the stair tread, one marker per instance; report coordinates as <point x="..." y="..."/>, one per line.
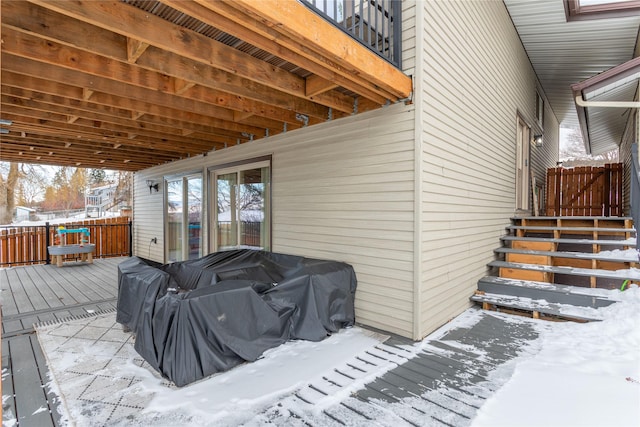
<point x="604" y="294"/>
<point x="627" y="242"/>
<point x="561" y="228"/>
<point x="576" y="255"/>
<point x="632" y="274"/>
<point x="607" y="218"/>
<point x="542" y="306"/>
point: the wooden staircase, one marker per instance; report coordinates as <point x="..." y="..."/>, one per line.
<point x="555" y="267"/>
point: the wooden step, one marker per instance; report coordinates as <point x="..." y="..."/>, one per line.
<point x="533" y="245"/>
<point x="579" y="218"/>
<point x="573" y="230"/>
<point x="550" y="292"/>
<point x="545" y="273"/>
<point x="619" y="244"/>
<point x="567" y="259"/>
<point x="536" y="309"/>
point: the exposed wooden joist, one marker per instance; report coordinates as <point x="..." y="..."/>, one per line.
<point x="135" y="48"/>
<point x="316" y="85"/>
<point x="50" y="91"/>
<point x="316" y="40"/>
<point x="131" y="22"/>
<point x="138" y="90"/>
<point x="310" y="31"/>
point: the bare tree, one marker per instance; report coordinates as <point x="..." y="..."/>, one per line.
<point x="573" y="153"/>
<point x="8" y="181"/>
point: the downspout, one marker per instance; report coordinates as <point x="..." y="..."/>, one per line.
<point x="418" y="81"/>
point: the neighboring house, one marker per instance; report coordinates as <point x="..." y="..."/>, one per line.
<point x="408" y="169"/>
<point x="98" y="200"/>
<point x="24" y="214"/>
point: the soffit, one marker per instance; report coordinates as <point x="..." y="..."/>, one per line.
<point x="563" y="53"/>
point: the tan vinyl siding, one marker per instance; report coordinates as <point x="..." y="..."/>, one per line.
<point x="476" y="79"/>
<point x="341" y="190"/>
<point x="546" y="156"/>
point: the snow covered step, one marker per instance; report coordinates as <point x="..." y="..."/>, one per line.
<point x="615" y="278"/>
<point x="582" y="230"/>
<point x="630" y="256"/>
<point x="624" y="244"/>
<point x="537" y="307"/>
<point x="553" y="293"/>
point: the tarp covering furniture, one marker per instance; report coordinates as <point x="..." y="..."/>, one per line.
<point x="195" y="318"/>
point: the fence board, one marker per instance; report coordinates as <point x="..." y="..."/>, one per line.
<point x="585" y="191"/>
<point x="24" y="245"/>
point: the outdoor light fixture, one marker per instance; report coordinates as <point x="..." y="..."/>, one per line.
<point x="537" y="140"/>
<point x="153" y="185"/>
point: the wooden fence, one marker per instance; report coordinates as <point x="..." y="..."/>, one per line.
<point x="585" y="191"/>
<point x="23" y="245"/>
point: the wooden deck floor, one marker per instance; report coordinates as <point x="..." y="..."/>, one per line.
<point x="411" y="394"/>
<point x="40" y="293"/>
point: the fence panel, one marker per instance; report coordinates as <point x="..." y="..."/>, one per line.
<point x="23" y="245"/>
<point x="585" y="191"/>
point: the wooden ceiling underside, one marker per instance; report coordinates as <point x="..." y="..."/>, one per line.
<point x="130" y="84"/>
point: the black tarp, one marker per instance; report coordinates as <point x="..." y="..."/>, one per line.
<point x="195" y="318"/>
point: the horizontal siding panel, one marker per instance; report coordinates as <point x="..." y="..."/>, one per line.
<point x="386" y="228"/>
<point x="390" y="324"/>
<point x="341" y="190"/>
<point x="375" y="248"/>
<point x="476" y="78"/>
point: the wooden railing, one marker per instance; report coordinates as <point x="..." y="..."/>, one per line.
<point x="585" y="191"/>
<point x="24" y="245"/>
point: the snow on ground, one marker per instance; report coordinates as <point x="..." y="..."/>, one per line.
<point x="246" y="388"/>
<point x="574" y="374"/>
<point x="626" y="254"/>
<point x="584" y="375"/>
<point x="79" y="217"/>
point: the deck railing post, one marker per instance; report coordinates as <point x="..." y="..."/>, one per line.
<point x="130" y="238"/>
<point x="47" y="242"/>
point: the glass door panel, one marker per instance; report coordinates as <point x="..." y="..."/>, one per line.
<point x="242" y="196"/>
<point x="194" y="201"/>
<point x="227" y="222"/>
<point x="175" y="222"/>
<point x="252" y="207"/>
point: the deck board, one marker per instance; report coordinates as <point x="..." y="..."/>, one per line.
<point x="40" y="293"/>
<point x="412" y="393"/>
<point x="32" y="406"/>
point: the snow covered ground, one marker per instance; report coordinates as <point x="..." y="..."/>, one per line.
<point x="572" y="375"/>
<point x="584" y="375"/>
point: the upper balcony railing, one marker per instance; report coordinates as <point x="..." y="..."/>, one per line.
<point x="374" y="23"/>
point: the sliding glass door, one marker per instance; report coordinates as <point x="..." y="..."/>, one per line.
<point x="242" y="216"/>
<point x="183" y="217"/>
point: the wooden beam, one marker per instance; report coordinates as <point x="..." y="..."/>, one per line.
<point x="75" y="60"/>
<point x="53" y="26"/>
<point x="135" y="49"/>
<point x="316" y="85"/>
<point x="87" y="94"/>
<point x="132" y="22"/>
<point x="240" y="116"/>
<point x="309" y="30"/>
<point x="230" y="20"/>
<point x="180" y="86"/>
<point x="62" y="94"/>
